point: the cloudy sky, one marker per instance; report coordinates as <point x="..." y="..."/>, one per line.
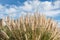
<point x="14" y="8"/>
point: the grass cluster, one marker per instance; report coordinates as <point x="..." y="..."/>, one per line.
<point x="30" y="27"/>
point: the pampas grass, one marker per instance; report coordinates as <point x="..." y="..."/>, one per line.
<point x="30" y="27"/>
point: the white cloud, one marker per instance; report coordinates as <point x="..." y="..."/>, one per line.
<point x="48" y="8"/>
<point x="27" y="6"/>
<point x="51" y="13"/>
<point x="47" y="5"/>
<point x="32" y="6"/>
<point x="11" y="10"/>
<point x="57" y="4"/>
<point x="1" y="6"/>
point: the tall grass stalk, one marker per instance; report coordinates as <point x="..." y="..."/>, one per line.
<point x="30" y="27"/>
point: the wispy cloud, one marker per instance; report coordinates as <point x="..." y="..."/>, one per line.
<point x="45" y="7"/>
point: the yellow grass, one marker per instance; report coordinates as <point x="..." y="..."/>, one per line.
<point x="30" y="27"/>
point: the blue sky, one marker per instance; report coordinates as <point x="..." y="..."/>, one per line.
<point x="15" y="8"/>
<point x="18" y="2"/>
